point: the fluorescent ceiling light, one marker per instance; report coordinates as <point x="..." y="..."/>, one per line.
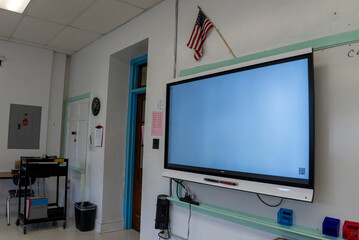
<point x="14" y="5"/>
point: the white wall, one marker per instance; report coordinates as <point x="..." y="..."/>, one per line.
<point x="116" y="127"/>
<point x="89" y="72"/>
<point x="115" y="133"/>
<point x="249" y="26"/>
<point x="54" y="128"/>
<point x="30" y="76"/>
<point x="56" y="105"/>
<point x="25" y="79"/>
<point x="259" y="25"/>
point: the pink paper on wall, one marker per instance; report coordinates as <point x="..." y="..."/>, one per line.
<point x="157" y="124"/>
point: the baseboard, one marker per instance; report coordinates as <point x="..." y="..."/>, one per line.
<point x="98" y="226"/>
<point x="112" y="226"/>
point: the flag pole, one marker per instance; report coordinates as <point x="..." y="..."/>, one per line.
<point x="217" y="32"/>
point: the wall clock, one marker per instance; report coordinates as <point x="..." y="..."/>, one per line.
<point x="95" y="107"/>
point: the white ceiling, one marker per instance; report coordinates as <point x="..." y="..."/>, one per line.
<point x="67" y="26"/>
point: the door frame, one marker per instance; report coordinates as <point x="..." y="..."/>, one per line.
<point x="64" y="140"/>
<point x="130" y="138"/>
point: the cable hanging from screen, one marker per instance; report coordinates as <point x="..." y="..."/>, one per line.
<point x="189" y="219"/>
<point x="170" y="187"/>
<point x="179" y="182"/>
<point x="270" y="205"/>
<point x="165" y="234"/>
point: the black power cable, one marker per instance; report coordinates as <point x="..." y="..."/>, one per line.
<point x="269" y="205"/>
<point x="164" y="237"/>
<point x="177" y="191"/>
<point x="189" y="219"/>
<point x="170" y="187"/>
<point x="179" y="182"/>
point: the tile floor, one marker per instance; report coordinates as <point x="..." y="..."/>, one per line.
<point x="46" y="231"/>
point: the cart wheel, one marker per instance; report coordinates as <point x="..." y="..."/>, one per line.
<point x="17" y="222"/>
<point x="24" y="229"/>
<point x="64" y="225"/>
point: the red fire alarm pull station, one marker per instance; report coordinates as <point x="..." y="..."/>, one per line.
<point x="351" y="230"/>
<point x="25" y="122"/>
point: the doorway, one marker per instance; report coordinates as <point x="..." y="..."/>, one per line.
<point x="135" y="143"/>
<point x="137" y="180"/>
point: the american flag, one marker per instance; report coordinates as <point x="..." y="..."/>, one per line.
<point x="199" y="34"/>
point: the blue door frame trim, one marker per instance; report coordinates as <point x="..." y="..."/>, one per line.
<point x="130" y="138"/>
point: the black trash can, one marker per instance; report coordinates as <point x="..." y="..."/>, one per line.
<point x="85" y="213"/>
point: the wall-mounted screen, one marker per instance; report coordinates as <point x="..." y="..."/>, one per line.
<point x="248" y="127"/>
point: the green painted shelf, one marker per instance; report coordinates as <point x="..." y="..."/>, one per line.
<point x="260" y="223"/>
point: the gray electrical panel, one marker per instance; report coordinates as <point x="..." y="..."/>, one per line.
<point x="24" y="127"/>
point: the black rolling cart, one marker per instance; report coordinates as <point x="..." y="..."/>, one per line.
<point x="32" y="167"/>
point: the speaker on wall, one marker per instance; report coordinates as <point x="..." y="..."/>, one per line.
<point x="162" y="212"/>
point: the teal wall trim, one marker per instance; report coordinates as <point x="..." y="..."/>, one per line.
<point x="63" y="149"/>
<point x="130" y="138"/>
<point x="316" y="44"/>
<point x="77" y="169"/>
<point x="260" y="223"/>
<point x="80" y="97"/>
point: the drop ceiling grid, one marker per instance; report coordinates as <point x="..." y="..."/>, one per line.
<point x="62" y="12"/>
<point x="37" y="31"/>
<point x="104" y="16"/>
<point x="8" y="22"/>
<point x="67" y="26"/>
<point x="73" y="39"/>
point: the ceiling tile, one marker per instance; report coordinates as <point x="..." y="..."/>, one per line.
<point x="106" y="15"/>
<point x="8" y="22"/>
<point x="26" y="43"/>
<point x="63" y="11"/>
<point x="60" y="50"/>
<point x="143" y="3"/>
<point x="36" y="31"/>
<point x="73" y="39"/>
